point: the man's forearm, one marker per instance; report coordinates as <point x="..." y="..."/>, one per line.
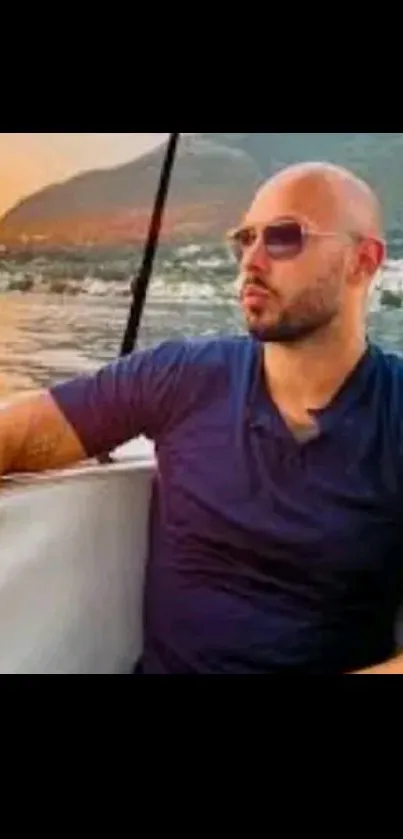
<point x="35" y="437"/>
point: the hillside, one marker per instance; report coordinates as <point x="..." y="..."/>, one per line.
<point x="214" y="179"/>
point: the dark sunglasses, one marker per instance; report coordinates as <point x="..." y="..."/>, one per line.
<point x="282" y="239"/>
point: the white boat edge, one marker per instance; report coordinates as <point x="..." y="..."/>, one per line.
<point x="73" y="550"/>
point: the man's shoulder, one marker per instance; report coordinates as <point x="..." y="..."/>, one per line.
<point x="191" y="375"/>
<point x="204" y="352"/>
<point x="387" y="394"/>
<point x="389" y="368"/>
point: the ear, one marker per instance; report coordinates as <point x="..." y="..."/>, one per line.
<point x="370" y="254"/>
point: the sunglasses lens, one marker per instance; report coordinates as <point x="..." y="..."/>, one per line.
<point x="241" y="241"/>
<point x="284" y="240"/>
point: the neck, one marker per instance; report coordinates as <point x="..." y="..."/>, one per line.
<point x="309" y="374"/>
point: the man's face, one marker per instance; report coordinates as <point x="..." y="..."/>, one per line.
<point x="292" y="283"/>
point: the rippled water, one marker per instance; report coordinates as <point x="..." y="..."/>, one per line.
<point x="66" y="313"/>
<point x="44" y="339"/>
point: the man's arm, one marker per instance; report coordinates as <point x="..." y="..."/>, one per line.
<point x="35" y="436"/>
<point x="92" y="414"/>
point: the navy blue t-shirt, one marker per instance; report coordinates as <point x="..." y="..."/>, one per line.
<point x="267" y="555"/>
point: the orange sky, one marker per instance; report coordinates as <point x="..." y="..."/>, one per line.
<point x="30" y="161"/>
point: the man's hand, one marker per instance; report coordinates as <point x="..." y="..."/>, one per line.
<point x="35" y="437"/>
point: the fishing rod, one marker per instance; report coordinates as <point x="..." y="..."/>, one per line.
<point x="141" y="283"/>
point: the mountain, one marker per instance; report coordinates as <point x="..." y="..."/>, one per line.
<point x="214" y="179"/>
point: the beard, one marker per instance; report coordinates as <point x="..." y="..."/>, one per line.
<point x="310" y="312"/>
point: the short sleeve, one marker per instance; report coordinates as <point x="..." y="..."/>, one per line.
<point x="131" y="397"/>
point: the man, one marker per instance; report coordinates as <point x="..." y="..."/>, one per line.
<point x="277" y="539"/>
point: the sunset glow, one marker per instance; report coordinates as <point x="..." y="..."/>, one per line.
<point x="29" y="162"/>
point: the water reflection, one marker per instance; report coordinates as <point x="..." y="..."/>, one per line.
<point x="46" y="339"/>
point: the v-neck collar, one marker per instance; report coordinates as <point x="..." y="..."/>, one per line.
<point x="265" y="414"/>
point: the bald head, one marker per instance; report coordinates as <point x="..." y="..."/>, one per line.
<point x="318" y="282"/>
<point x="322" y="194"/>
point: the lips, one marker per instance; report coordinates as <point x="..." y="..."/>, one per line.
<point x="254" y="293"/>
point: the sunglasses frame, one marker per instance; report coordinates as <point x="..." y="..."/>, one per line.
<point x="290" y="252"/>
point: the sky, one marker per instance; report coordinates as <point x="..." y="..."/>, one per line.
<point x="29" y="162"/>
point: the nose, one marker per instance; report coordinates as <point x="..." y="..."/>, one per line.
<point x="255" y="258"/>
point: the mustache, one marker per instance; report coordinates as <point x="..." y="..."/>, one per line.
<point x="256" y="282"/>
<point x="244" y="283"/>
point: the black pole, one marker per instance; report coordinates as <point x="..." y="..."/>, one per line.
<point x="141" y="283"/>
